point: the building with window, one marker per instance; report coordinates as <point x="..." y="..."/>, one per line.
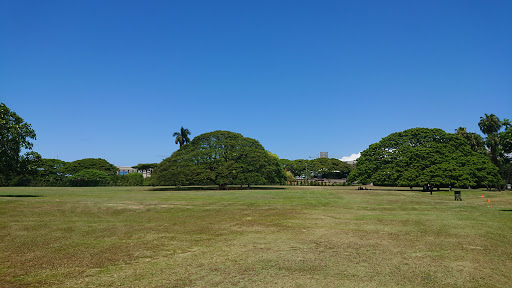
<point x="124" y="170"/>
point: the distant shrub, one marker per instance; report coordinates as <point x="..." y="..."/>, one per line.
<point x="131" y="179"/>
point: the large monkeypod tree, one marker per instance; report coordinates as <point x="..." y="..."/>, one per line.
<point x="221" y="158"/>
<point x="419" y="156"/>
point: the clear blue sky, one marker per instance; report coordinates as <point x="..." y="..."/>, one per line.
<point x="114" y="79"/>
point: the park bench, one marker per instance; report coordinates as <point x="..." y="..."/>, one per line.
<point x="457" y="196"/>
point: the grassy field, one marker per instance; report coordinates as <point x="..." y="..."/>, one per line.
<point x="282" y="237"/>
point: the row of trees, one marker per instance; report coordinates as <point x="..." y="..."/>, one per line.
<point x="328" y="168"/>
<point x="84" y="172"/>
<point x="409" y="158"/>
<point x="20" y="166"/>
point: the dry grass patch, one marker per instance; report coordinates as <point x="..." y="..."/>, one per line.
<point x="295" y="237"/>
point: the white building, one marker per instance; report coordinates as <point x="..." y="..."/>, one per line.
<point x="124" y="170"/>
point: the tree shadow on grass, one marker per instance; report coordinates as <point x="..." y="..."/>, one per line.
<point x="21" y="196"/>
<point x="212" y="188"/>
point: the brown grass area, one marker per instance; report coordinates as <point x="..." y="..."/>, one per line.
<point x="304" y="237"/>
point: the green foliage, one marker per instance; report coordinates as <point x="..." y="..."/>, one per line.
<point x="498" y="143"/>
<point x="89" y="177"/>
<point x="506" y="140"/>
<point x="329" y="168"/>
<point x="90" y="174"/>
<point x="50" y="172"/>
<point x="296" y="167"/>
<point x="290" y="177"/>
<point x="505" y="152"/>
<point x="475" y="141"/>
<point x="145" y="166"/>
<point x="54" y="172"/>
<point x="131" y="179"/>
<point x="221" y="158"/>
<point x="15" y="135"/>
<point x="285" y="162"/>
<point x="90" y="163"/>
<point x="490" y="125"/>
<point x="418" y="156"/>
<point x="50" y="169"/>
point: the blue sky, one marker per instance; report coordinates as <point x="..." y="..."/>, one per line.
<point x="115" y="79"/>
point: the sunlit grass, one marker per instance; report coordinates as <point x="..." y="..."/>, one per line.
<point x="293" y="237"/>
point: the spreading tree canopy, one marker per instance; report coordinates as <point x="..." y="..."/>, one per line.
<point x="90" y="163"/>
<point x="297" y="167"/>
<point x="419" y="156"/>
<point x="221" y="158"/>
<point x="145" y="166"/>
<point x="15" y="138"/>
<point x="51" y="170"/>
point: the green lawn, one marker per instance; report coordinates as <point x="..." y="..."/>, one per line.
<point x="283" y="237"/>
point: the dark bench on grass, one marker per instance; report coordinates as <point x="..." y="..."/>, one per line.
<point x="457" y="195"/>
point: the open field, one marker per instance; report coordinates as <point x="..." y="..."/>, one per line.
<point x="283" y="237"/>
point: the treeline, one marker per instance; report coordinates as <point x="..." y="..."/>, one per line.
<point x="325" y="168"/>
<point x="80" y="173"/>
<point x="413" y="157"/>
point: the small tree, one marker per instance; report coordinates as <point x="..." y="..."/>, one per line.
<point x="290" y="178"/>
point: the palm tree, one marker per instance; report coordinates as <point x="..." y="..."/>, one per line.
<point x="460" y="131"/>
<point x="474" y="140"/>
<point x="490" y="125"/>
<point x="182" y="136"/>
